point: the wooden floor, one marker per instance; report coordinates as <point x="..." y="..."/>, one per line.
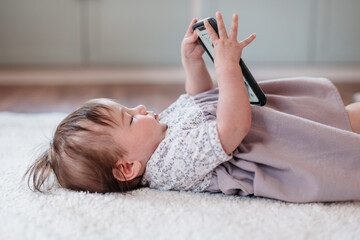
<point x="35" y="99"/>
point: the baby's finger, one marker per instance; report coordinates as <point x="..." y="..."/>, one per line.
<point x="248" y="40"/>
<point x="190" y="29"/>
<point x="211" y="31"/>
<point x="191" y="39"/>
<point x="194" y="36"/>
<point x="221" y="26"/>
<point x="234" y="27"/>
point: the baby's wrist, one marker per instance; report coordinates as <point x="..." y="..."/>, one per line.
<point x="191" y="63"/>
<point x="227" y="67"/>
<point x="191" y="60"/>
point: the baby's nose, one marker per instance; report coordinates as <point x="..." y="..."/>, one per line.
<point x="141" y="109"/>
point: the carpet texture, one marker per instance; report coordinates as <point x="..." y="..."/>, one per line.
<point x="146" y="213"/>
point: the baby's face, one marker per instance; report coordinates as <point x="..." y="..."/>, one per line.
<point x="138" y="131"/>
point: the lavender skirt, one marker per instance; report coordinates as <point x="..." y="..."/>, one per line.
<point x="300" y="147"/>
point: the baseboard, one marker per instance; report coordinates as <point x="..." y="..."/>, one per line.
<point x="90" y="75"/>
<point x="335" y="73"/>
<point x="160" y="75"/>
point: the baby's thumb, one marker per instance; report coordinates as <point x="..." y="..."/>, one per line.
<point x="248" y="40"/>
<point x="194" y="36"/>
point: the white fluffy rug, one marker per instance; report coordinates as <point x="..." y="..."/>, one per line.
<point x="146" y="214"/>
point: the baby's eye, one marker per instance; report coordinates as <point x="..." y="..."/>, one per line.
<point x="131" y="120"/>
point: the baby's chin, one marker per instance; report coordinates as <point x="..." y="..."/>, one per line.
<point x="163" y="130"/>
<point x="163" y="127"/>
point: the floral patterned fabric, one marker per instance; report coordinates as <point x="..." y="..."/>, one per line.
<point x="191" y="150"/>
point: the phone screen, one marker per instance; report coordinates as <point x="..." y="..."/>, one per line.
<point x="205" y="39"/>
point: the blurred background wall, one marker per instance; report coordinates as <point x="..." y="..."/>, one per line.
<point x="307" y="37"/>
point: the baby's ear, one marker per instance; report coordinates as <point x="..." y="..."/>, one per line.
<point x="126" y="171"/>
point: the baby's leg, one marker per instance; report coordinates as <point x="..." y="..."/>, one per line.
<point x="354" y="116"/>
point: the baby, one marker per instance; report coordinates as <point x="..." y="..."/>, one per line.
<point x="301" y="147"/>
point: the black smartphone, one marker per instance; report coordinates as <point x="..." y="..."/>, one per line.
<point x="255" y="93"/>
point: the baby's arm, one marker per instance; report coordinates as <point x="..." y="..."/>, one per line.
<point x="197" y="76"/>
<point x="233" y="112"/>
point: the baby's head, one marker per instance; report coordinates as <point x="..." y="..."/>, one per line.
<point x="100" y="147"/>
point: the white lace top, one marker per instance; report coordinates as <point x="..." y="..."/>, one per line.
<point x="191" y="150"/>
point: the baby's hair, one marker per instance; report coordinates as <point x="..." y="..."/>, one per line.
<point x="81" y="157"/>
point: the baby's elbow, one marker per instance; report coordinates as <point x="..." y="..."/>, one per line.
<point x="232" y="136"/>
<point x="236" y="128"/>
<point x="190" y="91"/>
<point x="247" y="125"/>
<point x="241" y="130"/>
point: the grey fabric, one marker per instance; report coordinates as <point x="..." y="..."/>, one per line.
<point x="300" y="147"/>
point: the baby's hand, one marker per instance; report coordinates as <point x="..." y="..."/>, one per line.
<point x="227" y="50"/>
<point x="191" y="48"/>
